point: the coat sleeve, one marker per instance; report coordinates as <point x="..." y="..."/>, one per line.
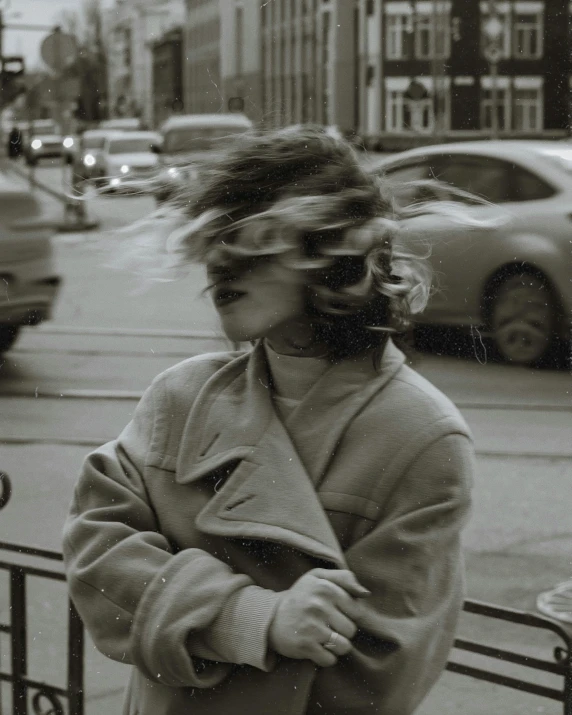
<point x="412" y="563"/>
<point x="141" y="603"/>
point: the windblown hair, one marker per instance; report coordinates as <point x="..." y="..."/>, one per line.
<point x="307" y="202"/>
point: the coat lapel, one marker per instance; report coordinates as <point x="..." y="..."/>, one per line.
<point x="271" y="494"/>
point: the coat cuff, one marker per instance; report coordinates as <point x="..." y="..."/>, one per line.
<point x="240" y="632"/>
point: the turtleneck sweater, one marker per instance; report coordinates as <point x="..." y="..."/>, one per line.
<point x="292" y="378"/>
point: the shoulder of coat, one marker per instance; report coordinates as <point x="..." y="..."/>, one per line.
<point x="414" y="402"/>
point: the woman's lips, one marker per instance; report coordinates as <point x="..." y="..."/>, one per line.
<point x="226" y="296"/>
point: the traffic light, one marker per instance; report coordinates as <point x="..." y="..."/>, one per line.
<point x="11" y="78"/>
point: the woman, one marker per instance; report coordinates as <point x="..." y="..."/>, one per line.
<point x="278" y="530"/>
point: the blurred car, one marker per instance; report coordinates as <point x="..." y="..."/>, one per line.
<point x="189" y="140"/>
<point x="122" y="124"/>
<point x="510" y="280"/>
<point x="43" y="139"/>
<point x="130" y="160"/>
<point x="28" y="275"/>
<point x="88" y="159"/>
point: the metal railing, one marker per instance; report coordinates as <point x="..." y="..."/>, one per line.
<point x="26" y="691"/>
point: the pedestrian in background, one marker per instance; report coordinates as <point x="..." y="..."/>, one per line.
<point x="278" y="530"/>
<point x="15" y="143"/>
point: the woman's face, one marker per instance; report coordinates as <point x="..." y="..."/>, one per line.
<point x="261" y="301"/>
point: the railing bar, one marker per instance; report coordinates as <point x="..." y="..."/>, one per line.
<point x="509" y="656"/>
<point x="521" y="617"/>
<point x="507" y="681"/>
<point x="18" y="640"/>
<point x="35" y="684"/>
<point x="75" y="662"/>
<point x="31" y="551"/>
<point x="33" y="571"/>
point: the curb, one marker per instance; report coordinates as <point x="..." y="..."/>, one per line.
<point x="65" y="199"/>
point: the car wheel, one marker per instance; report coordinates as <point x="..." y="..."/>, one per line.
<point x="523" y="318"/>
<point x="8" y="336"/>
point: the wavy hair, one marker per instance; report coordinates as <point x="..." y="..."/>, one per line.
<point x="299" y="196"/>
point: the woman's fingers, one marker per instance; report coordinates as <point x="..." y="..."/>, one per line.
<point x="340" y="623"/>
<point x="345" y="579"/>
<point x="332" y="646"/>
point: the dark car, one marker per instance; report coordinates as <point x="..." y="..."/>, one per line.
<point x="28" y="275"/>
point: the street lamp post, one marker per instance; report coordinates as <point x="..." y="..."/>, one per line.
<point x="493" y="29"/>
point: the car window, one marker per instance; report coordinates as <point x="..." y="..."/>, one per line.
<point x="402" y="180"/>
<point x="94" y="142"/>
<point x="482" y="176"/>
<point x="127" y="146"/>
<point x="528" y="186"/>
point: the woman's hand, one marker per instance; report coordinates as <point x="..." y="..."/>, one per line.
<point x="322" y="601"/>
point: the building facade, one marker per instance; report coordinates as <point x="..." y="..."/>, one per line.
<point x="168" y="76"/>
<point x="291" y="60"/>
<point x="202" y="83"/>
<point x="134" y="25"/>
<point x="425" y="67"/>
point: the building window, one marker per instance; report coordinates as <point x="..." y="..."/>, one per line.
<point x="424" y="37"/>
<point x="430" y="43"/>
<point x="502" y="103"/>
<point x="528" y="32"/>
<point x="403" y="115"/>
<point x="397" y="36"/>
<point x="528" y="109"/>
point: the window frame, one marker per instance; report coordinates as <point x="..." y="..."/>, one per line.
<point x="536" y="27"/>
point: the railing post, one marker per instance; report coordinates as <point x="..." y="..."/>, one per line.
<point x="75" y="662"/>
<point x="18" y="638"/>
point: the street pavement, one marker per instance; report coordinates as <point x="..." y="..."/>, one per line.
<point x="74" y="382"/>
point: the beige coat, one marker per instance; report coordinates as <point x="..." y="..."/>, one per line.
<point x="183" y="531"/>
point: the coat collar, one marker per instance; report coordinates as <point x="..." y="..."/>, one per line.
<point x="271" y="494"/>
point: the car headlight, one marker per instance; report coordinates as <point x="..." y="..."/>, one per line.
<point x="124" y="169"/>
<point x="173" y="172"/>
<point x="68" y="142"/>
<point x="89" y="160"/>
<point x="36" y="144"/>
<point x="115" y="182"/>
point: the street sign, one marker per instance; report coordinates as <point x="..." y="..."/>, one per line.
<point x="58" y="50"/>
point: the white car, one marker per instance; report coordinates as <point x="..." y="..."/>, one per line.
<point x="130" y="160"/>
<point x="190" y="140"/>
<point x="510" y="281"/>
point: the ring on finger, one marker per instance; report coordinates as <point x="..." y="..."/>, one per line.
<point x="330" y="644"/>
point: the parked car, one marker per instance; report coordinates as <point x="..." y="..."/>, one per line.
<point x="28" y="276"/>
<point x="511" y="280"/>
<point x="130" y="160"/>
<point x="88" y="160"/>
<point x="189" y="140"/>
<point x="43" y="139"/>
<point x="122" y="124"/>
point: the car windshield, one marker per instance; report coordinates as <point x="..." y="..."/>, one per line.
<point x="197" y="138"/>
<point x="94" y="142"/>
<point x="130" y="146"/>
<point x="561" y="156"/>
